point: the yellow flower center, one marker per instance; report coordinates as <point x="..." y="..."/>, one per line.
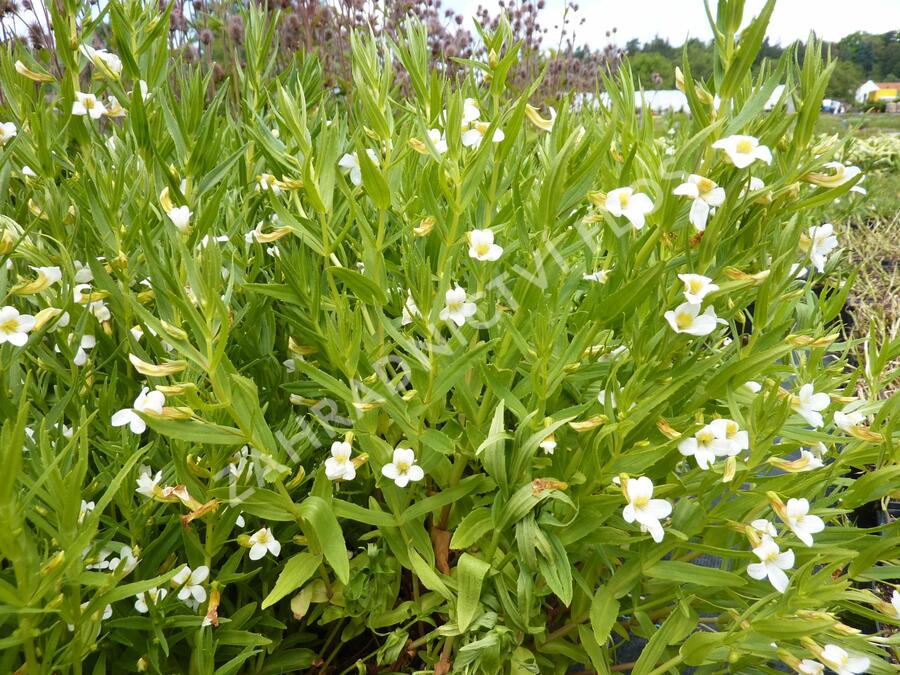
<point x="683" y="320"/>
<point x="705" y="185"/>
<point x="641" y="502"/>
<point x="771" y="556"/>
<point x="11" y="326"/>
<point x="402" y="467"/>
<point x="705" y="437"/>
<point x="482" y="248"/>
<point x="341" y="458"/>
<point x="623" y="199"/>
<point x="696" y="285"/>
<point x="88" y="103"/>
<point x="745" y="146"/>
<point x="731" y="428"/>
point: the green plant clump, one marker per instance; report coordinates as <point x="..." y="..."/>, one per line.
<point x="432" y="384"/>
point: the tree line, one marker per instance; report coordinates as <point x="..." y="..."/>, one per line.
<point x="861" y="56"/>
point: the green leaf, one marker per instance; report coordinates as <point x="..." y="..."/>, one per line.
<point x="704" y="647"/>
<point x="688" y="573"/>
<point x="297" y="570"/>
<point x="603" y="614"/>
<point x="470" y="573"/>
<point x="473" y="527"/>
<point x="363" y="288"/>
<point x="321" y="526"/>
<point x="196" y="431"/>
<point x="428" y="576"/>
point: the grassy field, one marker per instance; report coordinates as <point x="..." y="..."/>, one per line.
<point x="871" y="227"/>
<point x="860" y="124"/>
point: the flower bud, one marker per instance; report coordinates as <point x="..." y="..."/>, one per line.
<point x="33" y="75"/>
<point x="588" y="424"/>
<point x="161" y="370"/>
<point x="535" y="118"/>
<point x="45" y="316"/>
<point x="425" y="226"/>
<point x="174" y="331"/>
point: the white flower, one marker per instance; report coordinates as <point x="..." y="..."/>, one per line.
<point x="125" y="560"/>
<point x="100" y="311"/>
<point x="847" y="421"/>
<point x="104" y="60"/>
<point x="686" y="318"/>
<point x="808" y="405"/>
<point x="602" y="396"/>
<point x="474" y="134"/>
<point x="482" y="246"/>
<point x="14" y="327"/>
<point x="801" y="523"/>
<point x="83" y="273"/>
<point x="895" y="601"/>
<point x="697" y="287"/>
<point x="410" y="310"/>
<point x="339" y="466"/>
<point x="350" y="162"/>
<point x="191" y="581"/>
<point x="756" y="184"/>
<point x="743" y="150"/>
<point x="154" y="595"/>
<point x="471" y="111"/>
<point x="765" y="528"/>
<point x="87" y="104"/>
<point x="548" y="445"/>
<point x="754" y="386"/>
<point x="403" y="468"/>
<point x="843" y="173"/>
<point x="641" y="508"/>
<point x="107" y="612"/>
<point x="266" y="182"/>
<point x="600" y="276"/>
<point x="207" y="240"/>
<point x="705" y="194"/>
<point x="809" y="461"/>
<point x="147" y="483"/>
<point x="810" y="667"/>
<point x="180" y="217"/>
<point x="772" y="564"/>
<point x="85" y="511"/>
<point x="438" y="140"/>
<point x="858" y="188"/>
<point x="87" y="342"/>
<point x="26" y="170"/>
<point x="8" y="132"/>
<point x="704" y="446"/>
<point x="729" y="431"/>
<point x="457" y="309"/>
<point x="147" y="401"/>
<point x="626" y="202"/>
<point x="842" y="663"/>
<point x="821" y="242"/>
<point x="263" y="541"/>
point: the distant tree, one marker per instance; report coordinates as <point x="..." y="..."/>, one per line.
<point x="653" y="70"/>
<point x="845" y="80"/>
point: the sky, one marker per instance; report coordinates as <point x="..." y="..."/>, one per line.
<point x="677" y="19"/>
